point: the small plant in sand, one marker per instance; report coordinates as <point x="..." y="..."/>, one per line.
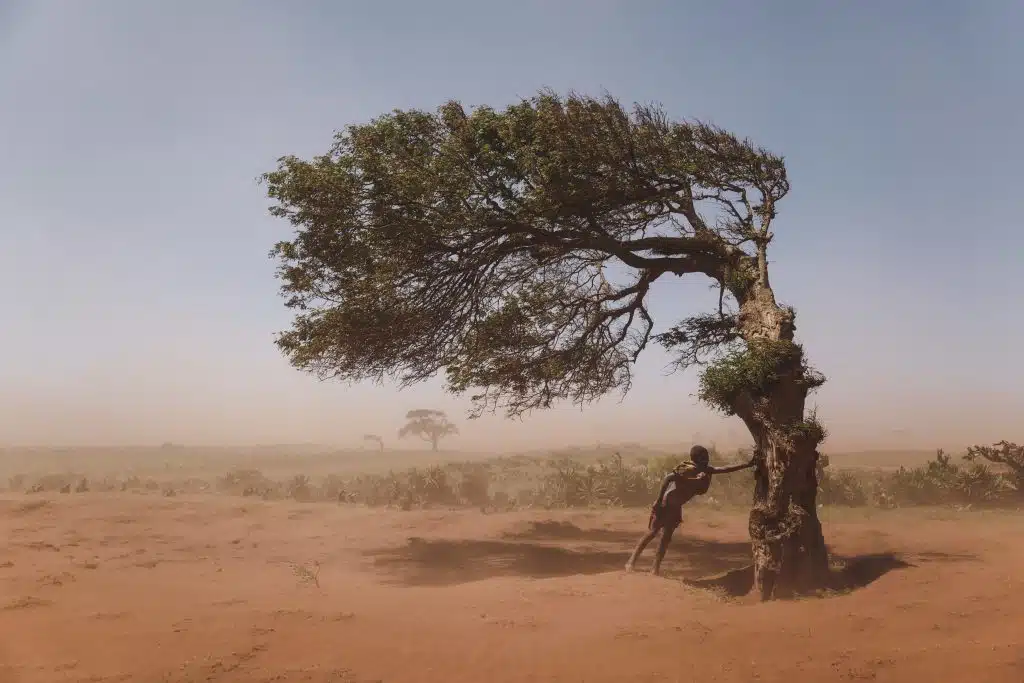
<point x="300" y="488"/>
<point x="309" y="574"/>
<point x="624" y="485"/>
<point x="333" y="488"/>
<point x="842" y="487"/>
<point x="52" y="483"/>
<point x="241" y="480"/>
<point x="561" y="487"/>
<point x="474" y="487"/>
<point x="430" y="486"/>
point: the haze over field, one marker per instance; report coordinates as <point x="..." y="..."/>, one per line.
<point x="139" y="306"/>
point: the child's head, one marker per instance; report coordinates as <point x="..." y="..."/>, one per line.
<point x="700" y="456"/>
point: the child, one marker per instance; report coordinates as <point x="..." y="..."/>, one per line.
<point x="686" y="481"/>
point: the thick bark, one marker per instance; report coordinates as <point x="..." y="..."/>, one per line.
<point x="788" y="546"/>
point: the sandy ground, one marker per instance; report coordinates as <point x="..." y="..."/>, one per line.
<point x="144" y="588"/>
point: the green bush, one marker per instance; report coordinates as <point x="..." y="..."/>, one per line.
<point x="568" y="482"/>
<point x="985" y="476"/>
<point x="945" y="482"/>
<point x="843" y="487"/>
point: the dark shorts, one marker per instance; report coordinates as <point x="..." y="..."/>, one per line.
<point x="668" y="517"/>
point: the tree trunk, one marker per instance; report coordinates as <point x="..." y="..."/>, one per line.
<point x="788" y="546"/>
<point x="433" y="444"/>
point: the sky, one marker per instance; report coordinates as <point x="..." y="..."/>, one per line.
<point x="139" y="305"/>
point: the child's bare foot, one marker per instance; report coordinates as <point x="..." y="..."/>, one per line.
<point x="629" y="566"/>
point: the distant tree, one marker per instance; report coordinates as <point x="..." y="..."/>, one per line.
<point x="1004" y="453"/>
<point x="376" y="439"/>
<point x="515" y="250"/>
<point x="429" y="425"/>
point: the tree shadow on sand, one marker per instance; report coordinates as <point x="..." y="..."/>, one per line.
<point x="555" y="530"/>
<point x="553" y="549"/>
<point x="444" y="562"/>
<point x="848" y="573"/>
<point x="852" y="573"/>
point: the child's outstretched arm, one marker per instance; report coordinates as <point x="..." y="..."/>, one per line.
<point x="734" y="468"/>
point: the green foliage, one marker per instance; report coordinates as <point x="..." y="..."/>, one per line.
<point x="624" y="484"/>
<point x="843" y="487"/>
<point x="1007" y="456"/>
<point x="942" y="481"/>
<point x="609" y="482"/>
<point x="430" y="486"/>
<point x="739" y="279"/>
<point x="701" y="338"/>
<point x="475" y="243"/>
<point x="810" y="429"/>
<point x="752" y="369"/>
<point x="573" y="482"/>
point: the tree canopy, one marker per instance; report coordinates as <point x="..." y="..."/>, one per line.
<point x="428" y="424"/>
<point x="476" y="243"/>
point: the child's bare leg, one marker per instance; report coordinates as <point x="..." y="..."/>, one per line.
<point x="666" y="538"/>
<point x="648" y="537"/>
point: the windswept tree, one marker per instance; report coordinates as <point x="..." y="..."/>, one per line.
<point x="515" y="252"/>
<point x="376" y="438"/>
<point x="429" y="425"/>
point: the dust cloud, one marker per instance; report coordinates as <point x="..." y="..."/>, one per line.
<point x="336" y="417"/>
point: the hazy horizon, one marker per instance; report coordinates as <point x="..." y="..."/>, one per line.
<point x="140" y="306"/>
<point x="319" y="449"/>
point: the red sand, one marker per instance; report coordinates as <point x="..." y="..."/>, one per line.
<point x="143" y="588"/>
